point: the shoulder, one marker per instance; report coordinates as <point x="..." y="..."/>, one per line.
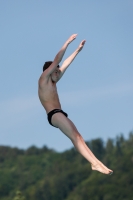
<point x="44" y="79"/>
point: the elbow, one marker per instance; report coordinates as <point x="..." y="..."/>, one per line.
<point x="57" y="59"/>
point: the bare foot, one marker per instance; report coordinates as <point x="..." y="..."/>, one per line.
<point x="101" y="168"/>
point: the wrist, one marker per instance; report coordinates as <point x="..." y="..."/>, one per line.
<point x="78" y="50"/>
<point x="67" y="43"/>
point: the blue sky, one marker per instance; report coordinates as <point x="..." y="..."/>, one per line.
<point x="97" y="89"/>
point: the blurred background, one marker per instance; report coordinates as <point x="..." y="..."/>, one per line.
<point x="97" y="89"/>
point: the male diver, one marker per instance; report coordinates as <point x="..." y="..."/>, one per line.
<point x="49" y="98"/>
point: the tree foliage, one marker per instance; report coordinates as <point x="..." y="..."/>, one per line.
<point x="44" y="174"/>
<point x="19" y="196"/>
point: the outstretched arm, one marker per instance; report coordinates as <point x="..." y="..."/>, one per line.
<point x="59" y="55"/>
<point x="69" y="60"/>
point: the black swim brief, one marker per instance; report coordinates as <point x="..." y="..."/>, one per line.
<point x="52" y="112"/>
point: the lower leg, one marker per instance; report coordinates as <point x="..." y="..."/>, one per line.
<point x="69" y="129"/>
<point x="87" y="153"/>
<point x="83" y="149"/>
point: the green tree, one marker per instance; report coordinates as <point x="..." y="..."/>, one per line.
<point x="109" y="146"/>
<point x="97" y="148"/>
<point x="19" y="196"/>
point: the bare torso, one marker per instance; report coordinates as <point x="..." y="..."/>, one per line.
<point x="48" y="95"/>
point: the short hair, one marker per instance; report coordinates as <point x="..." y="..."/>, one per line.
<point x="47" y="64"/>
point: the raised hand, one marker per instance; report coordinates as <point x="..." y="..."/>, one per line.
<point x="81" y="45"/>
<point x="71" y="38"/>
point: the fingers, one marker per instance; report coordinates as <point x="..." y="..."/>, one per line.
<point x="74" y="35"/>
<point x="83" y="42"/>
<point x="81" y="45"/>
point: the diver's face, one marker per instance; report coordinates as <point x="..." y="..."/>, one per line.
<point x="55" y="75"/>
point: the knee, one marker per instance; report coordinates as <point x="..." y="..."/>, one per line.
<point x="76" y="136"/>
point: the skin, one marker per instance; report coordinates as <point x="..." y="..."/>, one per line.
<point x="49" y="98"/>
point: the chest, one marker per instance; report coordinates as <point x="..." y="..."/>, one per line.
<point x="48" y="86"/>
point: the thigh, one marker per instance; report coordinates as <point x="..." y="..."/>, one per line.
<point x="64" y="124"/>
